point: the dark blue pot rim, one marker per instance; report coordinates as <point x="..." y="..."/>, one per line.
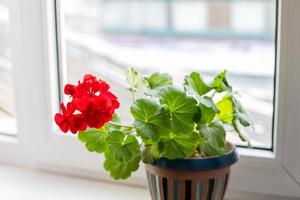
<point x="196" y="164"/>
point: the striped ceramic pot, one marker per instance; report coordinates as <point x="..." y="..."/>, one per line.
<point x="190" y="179"/>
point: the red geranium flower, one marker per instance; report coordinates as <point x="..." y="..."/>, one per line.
<point x="69" y="121"/>
<point x="92" y="105"/>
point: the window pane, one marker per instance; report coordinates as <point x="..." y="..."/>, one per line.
<point x="105" y="37"/>
<point x="7" y="109"/>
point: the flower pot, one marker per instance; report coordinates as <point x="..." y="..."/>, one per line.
<point x="192" y="178"/>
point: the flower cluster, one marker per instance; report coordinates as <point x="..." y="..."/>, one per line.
<point x="91" y="105"/>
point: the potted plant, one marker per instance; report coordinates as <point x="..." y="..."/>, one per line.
<point x="179" y="133"/>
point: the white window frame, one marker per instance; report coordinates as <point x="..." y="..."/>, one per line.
<point x="38" y="144"/>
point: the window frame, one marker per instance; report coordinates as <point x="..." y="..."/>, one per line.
<point x="38" y="144"/>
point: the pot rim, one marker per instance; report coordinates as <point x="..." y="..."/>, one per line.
<point x="200" y="163"/>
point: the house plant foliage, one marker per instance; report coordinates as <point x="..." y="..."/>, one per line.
<point x="168" y="121"/>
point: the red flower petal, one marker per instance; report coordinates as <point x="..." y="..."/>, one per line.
<point x="79" y="123"/>
<point x="71" y="108"/>
<point x="62" y="122"/>
<point x="70" y="89"/>
<point x="88" y="78"/>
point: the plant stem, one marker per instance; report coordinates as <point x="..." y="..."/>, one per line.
<point x="132" y="96"/>
<point x="213" y="94"/>
<point x="121" y="125"/>
<point x="129" y="132"/>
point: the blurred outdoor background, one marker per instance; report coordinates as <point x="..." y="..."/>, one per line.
<point x="105" y="37"/>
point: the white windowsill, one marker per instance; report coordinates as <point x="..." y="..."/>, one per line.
<point x="21" y="184"/>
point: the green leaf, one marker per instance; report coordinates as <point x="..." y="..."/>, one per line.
<point x="94" y="139"/>
<point x="220" y="83"/>
<point x="232" y="112"/>
<point x="135" y="80"/>
<point x="239" y="129"/>
<point x="208" y="150"/>
<point x="122" y="147"/>
<point x="229" y="88"/>
<point x="244" y="119"/>
<point x="207" y="114"/>
<point x="242" y="114"/>
<point x="150" y="154"/>
<point x="151" y="119"/>
<point x="182" y="108"/>
<point x="179" y="145"/>
<point x="225" y="106"/>
<point x="229" y="108"/>
<point x="120" y="169"/>
<point x="158" y="80"/>
<point x="195" y="83"/>
<point x="197" y="116"/>
<point x="214" y="137"/>
<point x="208" y="102"/>
<point x="116" y="118"/>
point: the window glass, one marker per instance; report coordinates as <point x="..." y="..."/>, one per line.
<point x="105" y="37"/>
<point x="7" y="109"/>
